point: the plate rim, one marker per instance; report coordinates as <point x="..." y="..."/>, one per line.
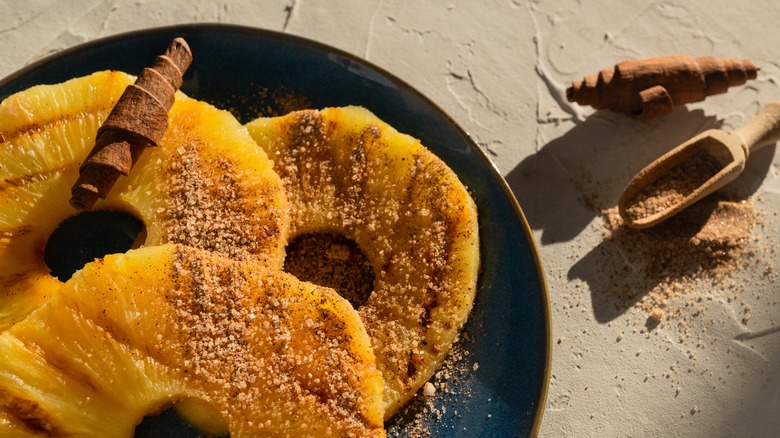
<point x="301" y="40"/>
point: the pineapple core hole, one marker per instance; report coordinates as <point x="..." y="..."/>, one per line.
<point x="189" y="418"/>
<point x="334" y="261"/>
<point x="86" y="236"/>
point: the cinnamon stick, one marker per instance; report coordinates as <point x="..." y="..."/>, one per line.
<point x="650" y="88"/>
<point x="138" y="120"/>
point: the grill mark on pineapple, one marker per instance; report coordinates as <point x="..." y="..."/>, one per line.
<point x="10" y="280"/>
<point x="401" y="350"/>
<point x="16" y="232"/>
<point x="20" y="181"/>
<point x="310" y="164"/>
<point x="302" y="135"/>
<point x="36" y="128"/>
<point x="74" y="367"/>
<point x="428" y="188"/>
<point x="207" y="208"/>
<point x="445" y="278"/>
<point x="30" y="414"/>
<point x="438" y="250"/>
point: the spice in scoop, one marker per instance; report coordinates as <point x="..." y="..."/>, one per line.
<point x="673" y="187"/>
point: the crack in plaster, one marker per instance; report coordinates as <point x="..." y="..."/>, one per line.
<point x="482" y="97"/>
<point x="758" y="334"/>
<point x="104" y="24"/>
<point x="371" y="24"/>
<point x="46" y="48"/>
<point x="420" y="34"/>
<point x="289" y="11"/>
<point x="23" y="22"/>
<point x="555" y="89"/>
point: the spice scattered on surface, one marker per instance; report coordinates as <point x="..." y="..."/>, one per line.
<point x="429" y="390"/>
<point x="656" y="315"/>
<point x="257" y="101"/>
<point x="427" y="413"/>
<point x="671" y="271"/>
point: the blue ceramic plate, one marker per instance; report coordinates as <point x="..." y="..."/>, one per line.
<point x="499" y="387"/>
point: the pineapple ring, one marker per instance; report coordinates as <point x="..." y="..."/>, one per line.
<point x="207" y="185"/>
<point x="133" y="332"/>
<point x="346" y="172"/>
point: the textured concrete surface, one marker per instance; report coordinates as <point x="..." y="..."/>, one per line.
<point x="500" y="69"/>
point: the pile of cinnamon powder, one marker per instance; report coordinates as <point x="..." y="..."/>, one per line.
<point x="668" y="271"/>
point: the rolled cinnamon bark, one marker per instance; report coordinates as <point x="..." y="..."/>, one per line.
<point x="650" y="88"/>
<point x="138" y="120"/>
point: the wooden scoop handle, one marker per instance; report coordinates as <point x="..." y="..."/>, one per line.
<point x="763" y="130"/>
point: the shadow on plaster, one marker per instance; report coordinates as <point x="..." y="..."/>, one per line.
<point x="619" y="274"/>
<point x="568" y="184"/>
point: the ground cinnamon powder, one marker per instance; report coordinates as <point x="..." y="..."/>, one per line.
<point x="669" y="270"/>
<point x="331" y="260"/>
<point x="428" y="411"/>
<point x="673" y="186"/>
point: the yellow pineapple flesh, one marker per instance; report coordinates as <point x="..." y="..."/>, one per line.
<point x="135" y="332"/>
<point x="347" y="172"/>
<point x="207" y="185"/>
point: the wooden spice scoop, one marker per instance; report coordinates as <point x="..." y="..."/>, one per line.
<point x="139" y="119"/>
<point x="728" y="149"/>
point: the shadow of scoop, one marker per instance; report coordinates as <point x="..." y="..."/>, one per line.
<point x="579" y="176"/>
<point x="563" y="187"/>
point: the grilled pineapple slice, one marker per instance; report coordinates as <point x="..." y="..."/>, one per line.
<point x="347" y="172"/>
<point x="132" y="333"/>
<point x="207" y="185"/>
